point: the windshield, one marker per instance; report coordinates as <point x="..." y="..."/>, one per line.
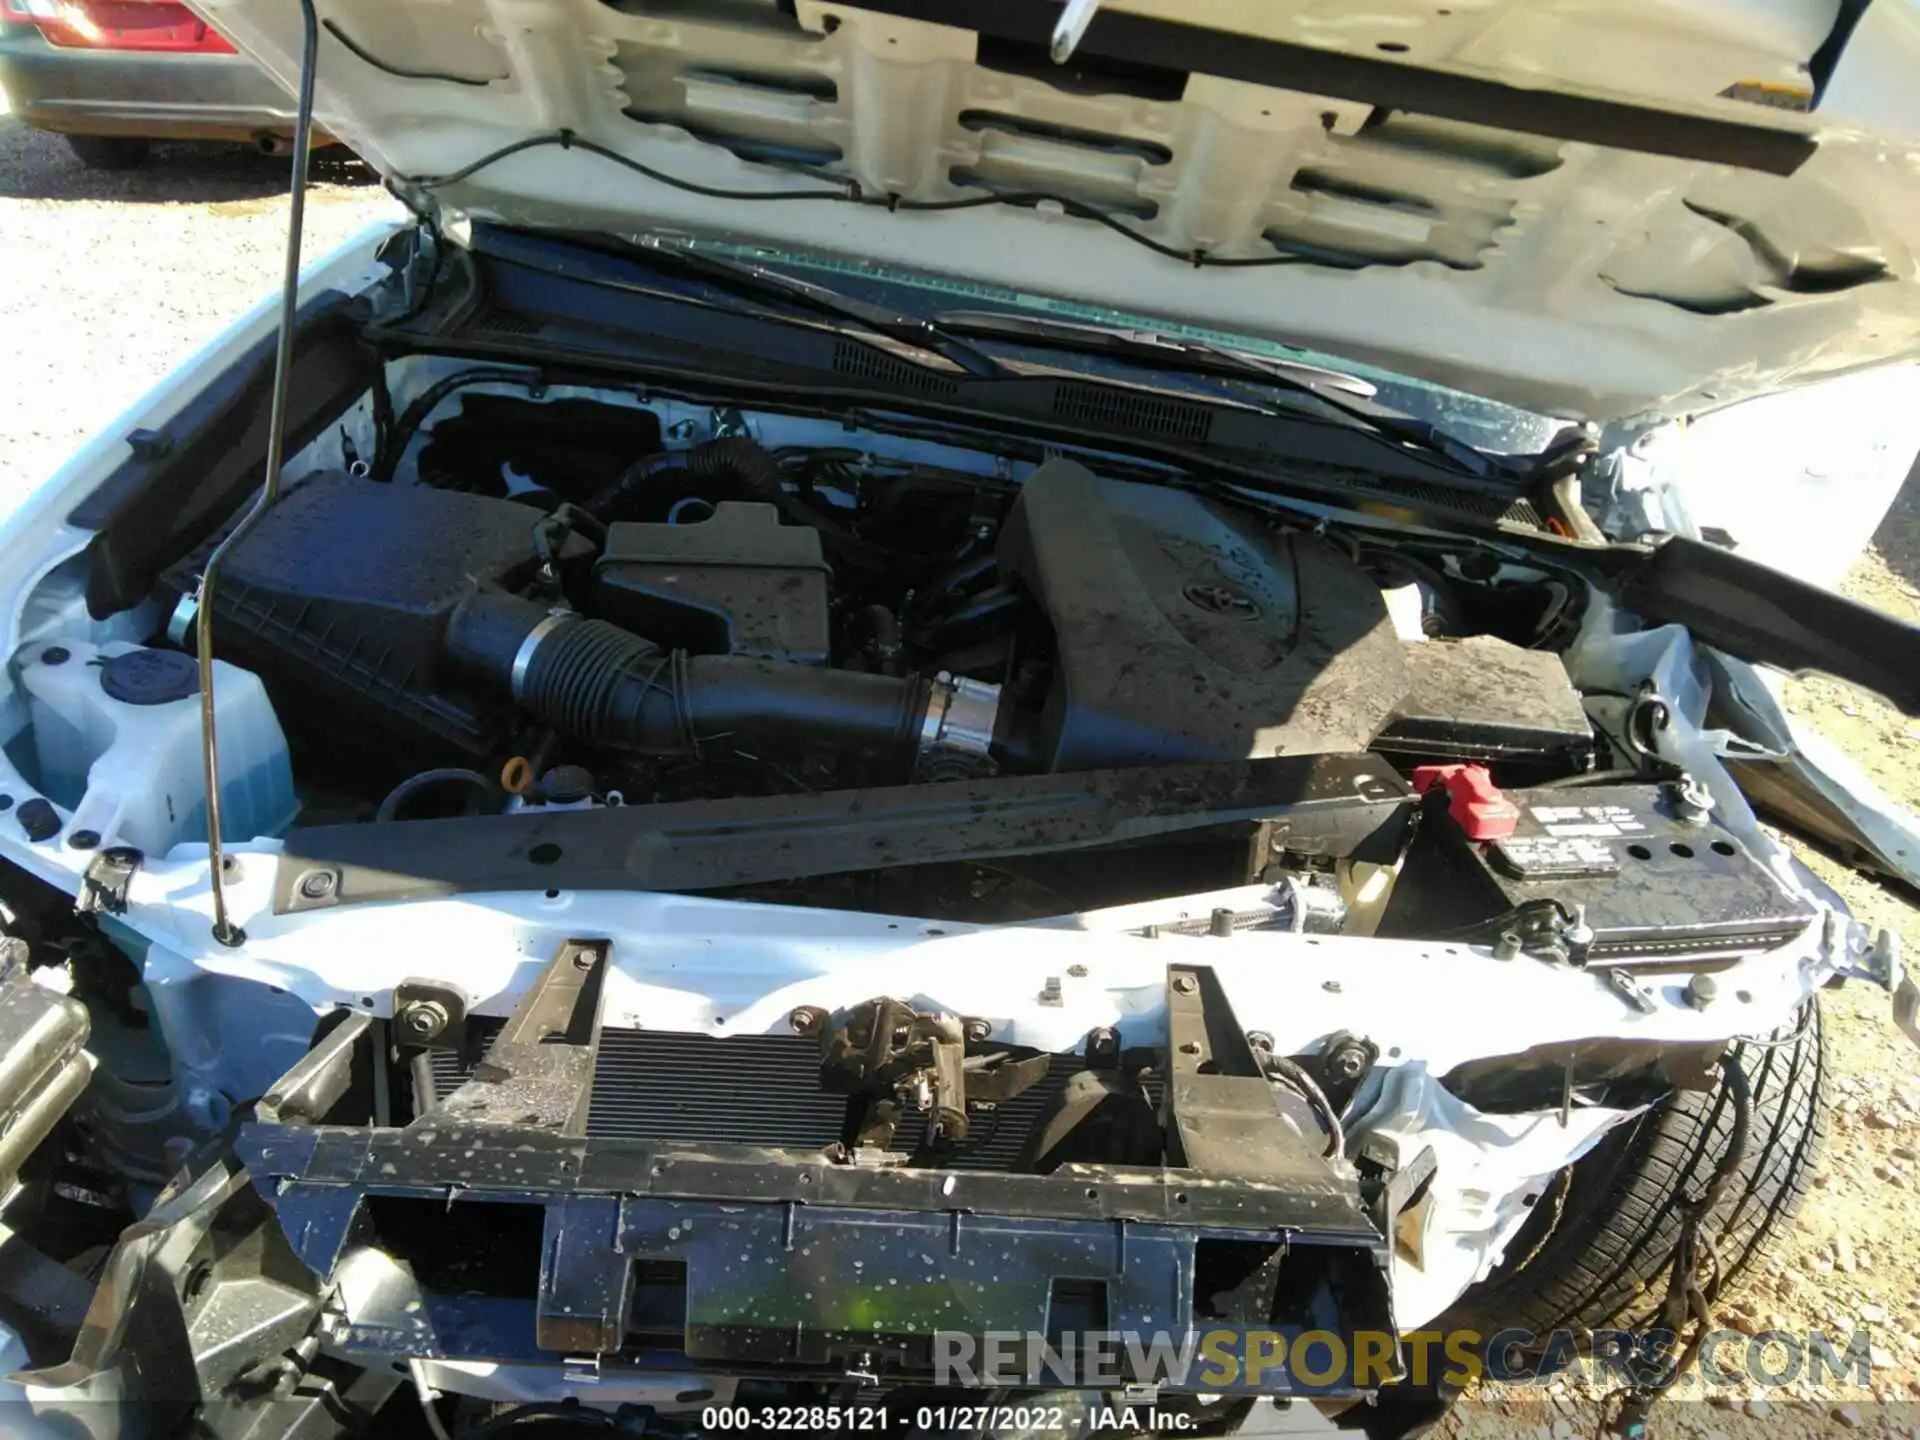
<point x="1486" y="424"/>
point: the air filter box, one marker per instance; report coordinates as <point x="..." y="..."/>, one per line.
<point x="342" y="593"/>
<point x="737" y="583"/>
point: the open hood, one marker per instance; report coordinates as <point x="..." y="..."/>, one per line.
<point x="1603" y="209"/>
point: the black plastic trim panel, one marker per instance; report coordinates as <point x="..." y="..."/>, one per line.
<point x="184" y="478"/>
<point x="1764" y="616"/>
<point x="948" y="1250"/>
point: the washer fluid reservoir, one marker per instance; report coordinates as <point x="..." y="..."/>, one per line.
<point x="116" y="730"/>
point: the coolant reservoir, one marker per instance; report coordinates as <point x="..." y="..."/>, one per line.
<point x="116" y="729"/>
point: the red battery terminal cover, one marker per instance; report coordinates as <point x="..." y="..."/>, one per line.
<point x="1473" y="800"/>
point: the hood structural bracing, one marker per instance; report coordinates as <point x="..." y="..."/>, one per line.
<point x="1605" y="211"/>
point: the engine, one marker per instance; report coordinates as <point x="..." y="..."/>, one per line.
<point x="755" y="640"/>
<point x="523" y="623"/>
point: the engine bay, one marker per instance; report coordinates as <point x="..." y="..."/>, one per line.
<point x="843" y="808"/>
<point x="1077" y="625"/>
<point x="740" y="804"/>
<point x="514" y="603"/>
<point x="723" y="620"/>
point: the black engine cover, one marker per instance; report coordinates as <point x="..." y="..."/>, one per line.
<point x="1189" y="631"/>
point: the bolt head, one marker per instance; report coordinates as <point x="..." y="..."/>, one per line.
<point x="806" y="1019"/>
<point x="318" y="884"/>
<point x="1185" y="984"/>
<point x="424" y="1019"/>
<point x="1349" y="1061"/>
<point x="1702" y="990"/>
<point x="1579" y="932"/>
<point x="1332" y="987"/>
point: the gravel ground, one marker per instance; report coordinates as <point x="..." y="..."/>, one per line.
<point x="107" y="281"/>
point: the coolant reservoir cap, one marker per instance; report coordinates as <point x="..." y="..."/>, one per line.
<point x="150" y="677"/>
<point x="566" y="785"/>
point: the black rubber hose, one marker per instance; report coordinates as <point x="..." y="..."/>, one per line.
<point x="748" y="467"/>
<point x="478" y="788"/>
<point x="983" y="615"/>
<point x="733" y="462"/>
<point x="742" y="462"/>
<point x="600" y="684"/>
<point x="762" y="705"/>
<point x="610" y="502"/>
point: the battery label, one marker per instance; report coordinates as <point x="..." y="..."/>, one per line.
<point x="1590" y="821"/>
<point x="1538" y="857"/>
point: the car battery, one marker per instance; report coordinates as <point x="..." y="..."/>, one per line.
<point x="1653" y="884"/>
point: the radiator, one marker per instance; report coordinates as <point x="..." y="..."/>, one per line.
<point x="750" y="1090"/>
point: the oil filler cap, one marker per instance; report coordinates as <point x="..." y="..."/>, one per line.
<point x="150" y="677"/>
<point x="1473" y="800"/>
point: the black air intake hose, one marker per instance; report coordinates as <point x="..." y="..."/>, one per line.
<point x="744" y="465"/>
<point x="732" y="463"/>
<point x="601" y="684"/>
<point x="736" y="460"/>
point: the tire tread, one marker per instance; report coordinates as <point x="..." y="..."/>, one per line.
<point x="1605" y="1260"/>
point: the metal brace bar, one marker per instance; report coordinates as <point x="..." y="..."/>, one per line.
<point x="318" y="1079"/>
<point x="538" y="1072"/>
<point x="1221" y="1113"/>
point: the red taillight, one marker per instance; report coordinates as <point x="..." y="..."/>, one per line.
<point x="120" y="25"/>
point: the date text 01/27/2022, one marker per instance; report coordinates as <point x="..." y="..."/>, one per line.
<point x="933" y="1419"/>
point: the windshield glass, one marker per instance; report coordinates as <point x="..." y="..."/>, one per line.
<point x="1480" y="422"/>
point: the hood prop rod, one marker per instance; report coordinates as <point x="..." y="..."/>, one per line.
<point x="224" y="930"/>
<point x="1070" y="29"/>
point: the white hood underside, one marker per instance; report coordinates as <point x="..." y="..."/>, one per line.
<point x="1551" y="273"/>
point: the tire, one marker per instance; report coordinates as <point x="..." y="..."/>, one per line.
<point x="110" y="152"/>
<point x="1597" y="1250"/>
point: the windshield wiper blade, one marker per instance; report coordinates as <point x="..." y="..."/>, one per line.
<point x="1345" y="395"/>
<point x="1114" y="339"/>
<point x="742" y="275"/>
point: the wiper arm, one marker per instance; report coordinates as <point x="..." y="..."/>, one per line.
<point x="1114" y="340"/>
<point x="757" y="280"/>
<point x="1346" y="395"/>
